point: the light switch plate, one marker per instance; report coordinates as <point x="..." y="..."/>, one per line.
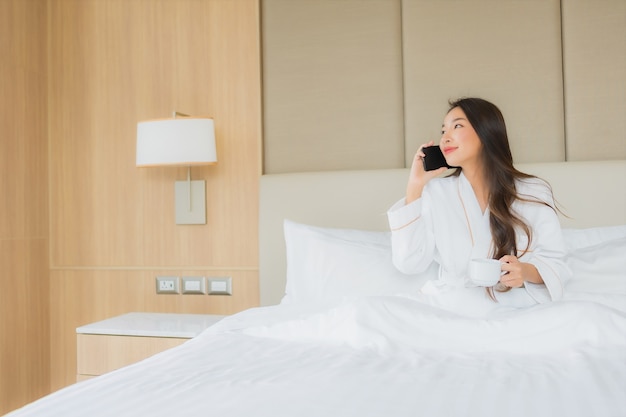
<point x="194" y="285"/>
<point x="220" y="285"/>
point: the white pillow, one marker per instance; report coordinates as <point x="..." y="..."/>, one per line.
<point x="327" y="264"/>
<point x="599" y="268"/>
<point x="582" y="238"/>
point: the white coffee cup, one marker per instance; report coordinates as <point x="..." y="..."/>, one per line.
<point x="484" y="272"/>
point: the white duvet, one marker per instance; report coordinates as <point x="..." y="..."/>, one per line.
<point x="377" y="356"/>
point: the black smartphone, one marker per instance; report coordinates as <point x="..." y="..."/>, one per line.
<point x="433" y="158"/>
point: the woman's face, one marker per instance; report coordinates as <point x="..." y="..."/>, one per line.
<point x="459" y="143"/>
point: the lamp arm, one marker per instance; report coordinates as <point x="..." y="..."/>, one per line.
<point x="189" y="184"/>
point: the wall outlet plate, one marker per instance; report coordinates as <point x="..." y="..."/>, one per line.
<point x="194" y="285"/>
<point x="167" y="285"/>
<point x="220" y="285"/>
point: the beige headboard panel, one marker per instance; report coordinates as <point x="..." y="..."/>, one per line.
<point x="332" y="85"/>
<point x="359" y="84"/>
<point x="508" y="52"/>
<point x="591" y="193"/>
<point x="594" y="60"/>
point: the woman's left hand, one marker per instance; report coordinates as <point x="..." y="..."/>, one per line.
<point x="518" y="272"/>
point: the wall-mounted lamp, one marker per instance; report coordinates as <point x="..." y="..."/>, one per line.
<point x="180" y="141"/>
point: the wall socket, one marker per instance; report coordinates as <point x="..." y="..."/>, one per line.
<point x="167" y="285"/>
<point x="220" y="285"/>
<point x="194" y="285"/>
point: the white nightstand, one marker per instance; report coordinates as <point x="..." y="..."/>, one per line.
<point x="110" y="344"/>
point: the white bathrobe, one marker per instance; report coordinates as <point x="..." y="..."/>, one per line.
<point x="447" y="225"/>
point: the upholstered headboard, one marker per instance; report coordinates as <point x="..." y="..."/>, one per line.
<point x="590" y="193"/>
<point x="356" y="84"/>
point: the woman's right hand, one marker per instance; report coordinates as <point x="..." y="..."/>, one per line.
<point x="419" y="177"/>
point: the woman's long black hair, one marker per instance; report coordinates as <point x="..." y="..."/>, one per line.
<point x="501" y="177"/>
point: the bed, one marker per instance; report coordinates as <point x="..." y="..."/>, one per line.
<point x="339" y="334"/>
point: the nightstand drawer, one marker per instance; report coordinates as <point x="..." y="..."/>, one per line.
<point x="98" y="354"/>
<point x="110" y="344"/>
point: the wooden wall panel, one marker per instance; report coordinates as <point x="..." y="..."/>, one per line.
<point x="23" y="147"/>
<point x="24" y="330"/>
<point x="24" y="347"/>
<point x="112" y="64"/>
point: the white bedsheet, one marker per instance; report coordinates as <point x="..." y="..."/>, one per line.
<point x="376" y="356"/>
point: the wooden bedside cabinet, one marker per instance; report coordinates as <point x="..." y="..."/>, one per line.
<point x="119" y="341"/>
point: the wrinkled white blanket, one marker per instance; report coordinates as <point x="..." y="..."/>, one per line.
<point x="400" y="325"/>
<point x="376" y="357"/>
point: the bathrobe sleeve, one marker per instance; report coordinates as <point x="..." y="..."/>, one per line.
<point x="547" y="248"/>
<point x="412" y="239"/>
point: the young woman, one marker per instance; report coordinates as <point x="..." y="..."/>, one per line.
<point x="486" y="209"/>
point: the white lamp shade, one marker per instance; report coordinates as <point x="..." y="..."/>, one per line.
<point x="181" y="141"/>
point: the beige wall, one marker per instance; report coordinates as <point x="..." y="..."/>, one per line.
<point x="24" y="344"/>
